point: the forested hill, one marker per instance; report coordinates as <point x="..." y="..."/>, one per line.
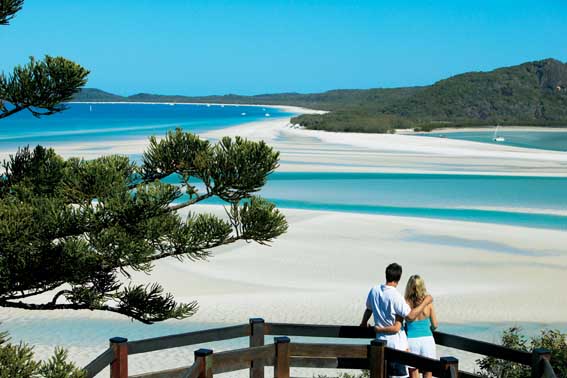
<point x="533" y="93"/>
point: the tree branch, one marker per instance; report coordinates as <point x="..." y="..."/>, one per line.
<point x="190" y="202"/>
<point x="72" y="306"/>
<point x="8" y="9"/>
<point x="32" y="293"/>
<point x="11" y="112"/>
<point x="56" y="297"/>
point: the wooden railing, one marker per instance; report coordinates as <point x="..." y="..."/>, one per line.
<point x="283" y="353"/>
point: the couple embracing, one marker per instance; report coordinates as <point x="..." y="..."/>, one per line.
<point x="390" y="310"/>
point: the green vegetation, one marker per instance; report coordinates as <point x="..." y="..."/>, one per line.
<point x="39" y="86"/>
<point x="75" y="228"/>
<point x="18" y="361"/>
<point x="529" y="94"/>
<point x="8" y="9"/>
<point x="490" y="367"/>
<point x="555" y="341"/>
<point x="533" y="93"/>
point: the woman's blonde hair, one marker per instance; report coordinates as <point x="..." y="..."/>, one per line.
<point x="415" y="290"/>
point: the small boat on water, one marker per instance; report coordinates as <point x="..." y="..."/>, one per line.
<point x="242" y="114"/>
<point x="497" y="138"/>
<point x="267" y="114"/>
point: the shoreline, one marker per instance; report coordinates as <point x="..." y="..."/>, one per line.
<point x="304" y="150"/>
<point x="285" y="108"/>
<point x="550" y="129"/>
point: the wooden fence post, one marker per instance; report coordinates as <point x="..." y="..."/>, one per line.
<point x="538" y="355"/>
<point x="119" y="366"/>
<point x="206" y="357"/>
<point x="450" y="367"/>
<point x="256" y="340"/>
<point x="376" y="353"/>
<point x="281" y="364"/>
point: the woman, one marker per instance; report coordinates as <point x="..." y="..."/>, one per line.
<point x="419" y="331"/>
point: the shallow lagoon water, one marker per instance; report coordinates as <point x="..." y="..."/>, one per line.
<point x="555" y="140"/>
<point x="513" y="200"/>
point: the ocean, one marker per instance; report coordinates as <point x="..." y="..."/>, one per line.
<point x="101" y="122"/>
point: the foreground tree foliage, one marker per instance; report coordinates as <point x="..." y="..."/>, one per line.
<point x="17" y="361"/>
<point x="553" y="340"/>
<point x="74" y="227"/>
<point x="8" y="9"/>
<point x="39" y="86"/>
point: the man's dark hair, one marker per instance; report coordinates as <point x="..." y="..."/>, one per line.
<point x="393" y="272"/>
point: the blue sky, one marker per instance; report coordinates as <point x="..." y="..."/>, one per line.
<point x="199" y="47"/>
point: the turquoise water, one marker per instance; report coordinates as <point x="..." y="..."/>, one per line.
<point x="101" y="122"/>
<point x="456" y="197"/>
<point x="544" y="140"/>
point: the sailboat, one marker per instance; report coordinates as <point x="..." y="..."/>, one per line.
<point x="497" y="138"/>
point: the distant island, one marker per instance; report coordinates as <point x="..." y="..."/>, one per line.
<point x="533" y="93"/>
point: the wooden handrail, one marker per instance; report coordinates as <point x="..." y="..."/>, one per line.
<point x="241" y="358"/>
<point x="194" y="370"/>
<point x="99" y="363"/>
<point x="328" y="350"/>
<point x="292" y="354"/>
<point x="417" y="361"/>
<point x="318" y="330"/>
<point x="444" y="339"/>
<point x="482" y="347"/>
<point x="548" y="370"/>
<point x="189" y="338"/>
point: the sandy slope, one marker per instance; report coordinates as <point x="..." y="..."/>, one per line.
<point x="321" y="270"/>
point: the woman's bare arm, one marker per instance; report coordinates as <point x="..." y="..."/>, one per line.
<point x="414" y="313"/>
<point x="433" y="316"/>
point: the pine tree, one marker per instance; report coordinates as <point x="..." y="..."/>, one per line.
<point x="39" y="86"/>
<point x="76" y="227"/>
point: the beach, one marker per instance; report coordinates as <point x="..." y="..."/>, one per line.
<point x="320" y="151"/>
<point x="320" y="271"/>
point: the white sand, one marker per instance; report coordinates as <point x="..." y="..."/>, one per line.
<point x="312" y="150"/>
<point x="321" y="270"/>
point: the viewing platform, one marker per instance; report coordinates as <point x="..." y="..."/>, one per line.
<point x="284" y="353"/>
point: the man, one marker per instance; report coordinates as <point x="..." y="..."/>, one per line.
<point x="385" y="303"/>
